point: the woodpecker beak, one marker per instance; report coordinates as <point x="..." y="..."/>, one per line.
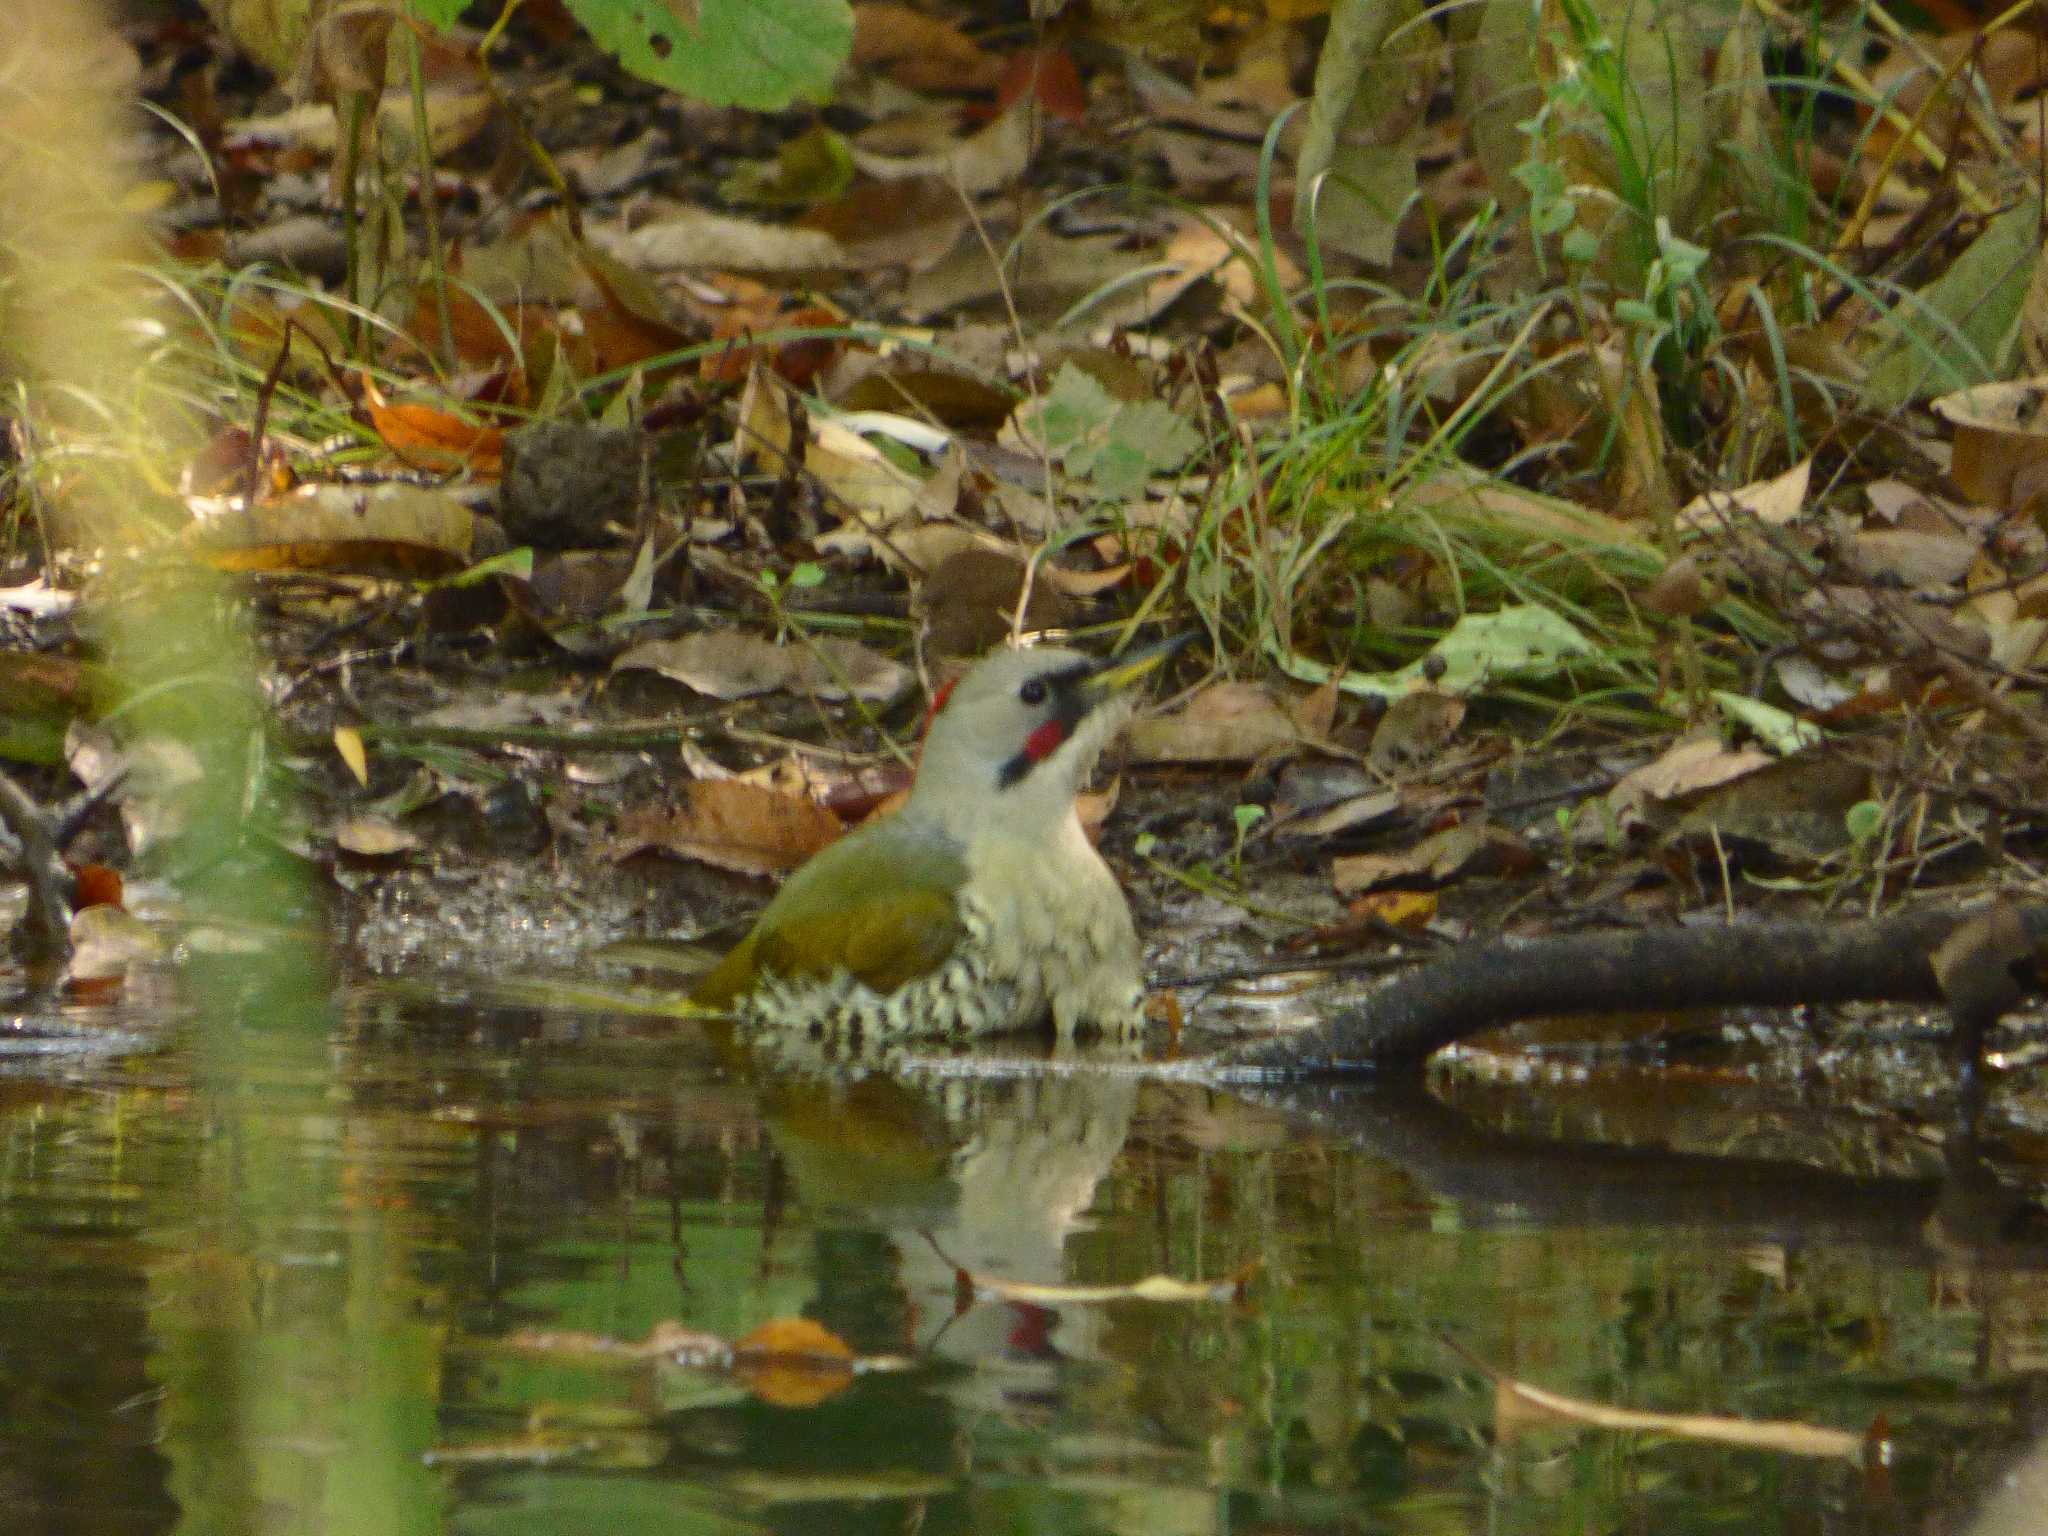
<point x="1120" y="672"/>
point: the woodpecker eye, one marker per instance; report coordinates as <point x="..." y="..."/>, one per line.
<point x="1033" y="691"/>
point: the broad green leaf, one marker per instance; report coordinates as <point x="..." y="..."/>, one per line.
<point x="813" y="168"/>
<point x="1362" y="137"/>
<point x="762" y="54"/>
<point x="1962" y="328"/>
<point x="1522" y="641"/>
<point x="442" y="13"/>
<point x="1780" y="730"/>
<point x="1115" y="445"/>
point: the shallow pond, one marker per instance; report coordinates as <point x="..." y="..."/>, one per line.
<point x="369" y="1266"/>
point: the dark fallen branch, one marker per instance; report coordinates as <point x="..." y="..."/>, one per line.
<point x="1928" y="955"/>
<point x="1497" y="1177"/>
<point x="46" y="926"/>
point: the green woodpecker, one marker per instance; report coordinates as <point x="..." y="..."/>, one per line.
<point x="980" y="905"/>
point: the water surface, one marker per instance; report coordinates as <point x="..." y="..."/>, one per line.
<point x="299" y="1281"/>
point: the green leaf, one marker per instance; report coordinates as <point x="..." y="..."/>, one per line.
<point x="1075" y="405"/>
<point x="1524" y="640"/>
<point x="441" y="13"/>
<point x="1780" y="730"/>
<point x="1358" y="153"/>
<point x="516" y="563"/>
<point x="814" y="168"/>
<point x="762" y="54"/>
<point x="1152" y="429"/>
<point x="1962" y="328"/>
<point x="1116" y="446"/>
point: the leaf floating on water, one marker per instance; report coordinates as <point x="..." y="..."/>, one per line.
<point x="793" y="1362"/>
<point x="971" y="1286"/>
<point x="687" y="1346"/>
<point x="1517" y="1404"/>
<point x="588" y="1434"/>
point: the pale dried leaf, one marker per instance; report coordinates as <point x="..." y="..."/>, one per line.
<point x="696" y="237"/>
<point x="1517" y="1403"/>
<point x="928" y="144"/>
<point x="1224" y="723"/>
<point x="730" y="664"/>
<point x="373" y="837"/>
<point x="1776" y="501"/>
<point x="1688" y="766"/>
<point x="348" y="745"/>
<point x="1470" y="849"/>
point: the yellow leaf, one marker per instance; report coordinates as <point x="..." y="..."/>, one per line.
<point x="348" y="741"/>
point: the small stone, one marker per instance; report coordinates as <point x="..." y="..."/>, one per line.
<point x="565" y="480"/>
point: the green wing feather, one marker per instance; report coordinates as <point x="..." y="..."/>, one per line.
<point x="878" y="904"/>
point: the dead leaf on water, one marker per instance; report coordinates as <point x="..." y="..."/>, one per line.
<point x="972" y="1285"/>
<point x="107" y="940"/>
<point x="793" y="1362"/>
<point x="373" y="837"/>
<point x="1517" y="1404"/>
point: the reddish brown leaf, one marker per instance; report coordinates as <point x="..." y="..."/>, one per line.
<point x="919" y="52"/>
<point x="428" y="437"/>
<point x="793" y="1362"/>
<point x="733" y="825"/>
<point x="1048" y="76"/>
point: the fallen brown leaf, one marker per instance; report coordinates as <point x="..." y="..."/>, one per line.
<point x="732" y="825"/>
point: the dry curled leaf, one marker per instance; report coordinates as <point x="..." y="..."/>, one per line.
<point x="726" y="664"/>
<point x="1224" y="723"/>
<point x="733" y="825"/>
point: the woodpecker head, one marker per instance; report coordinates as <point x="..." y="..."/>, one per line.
<point x="1017" y="734"/>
